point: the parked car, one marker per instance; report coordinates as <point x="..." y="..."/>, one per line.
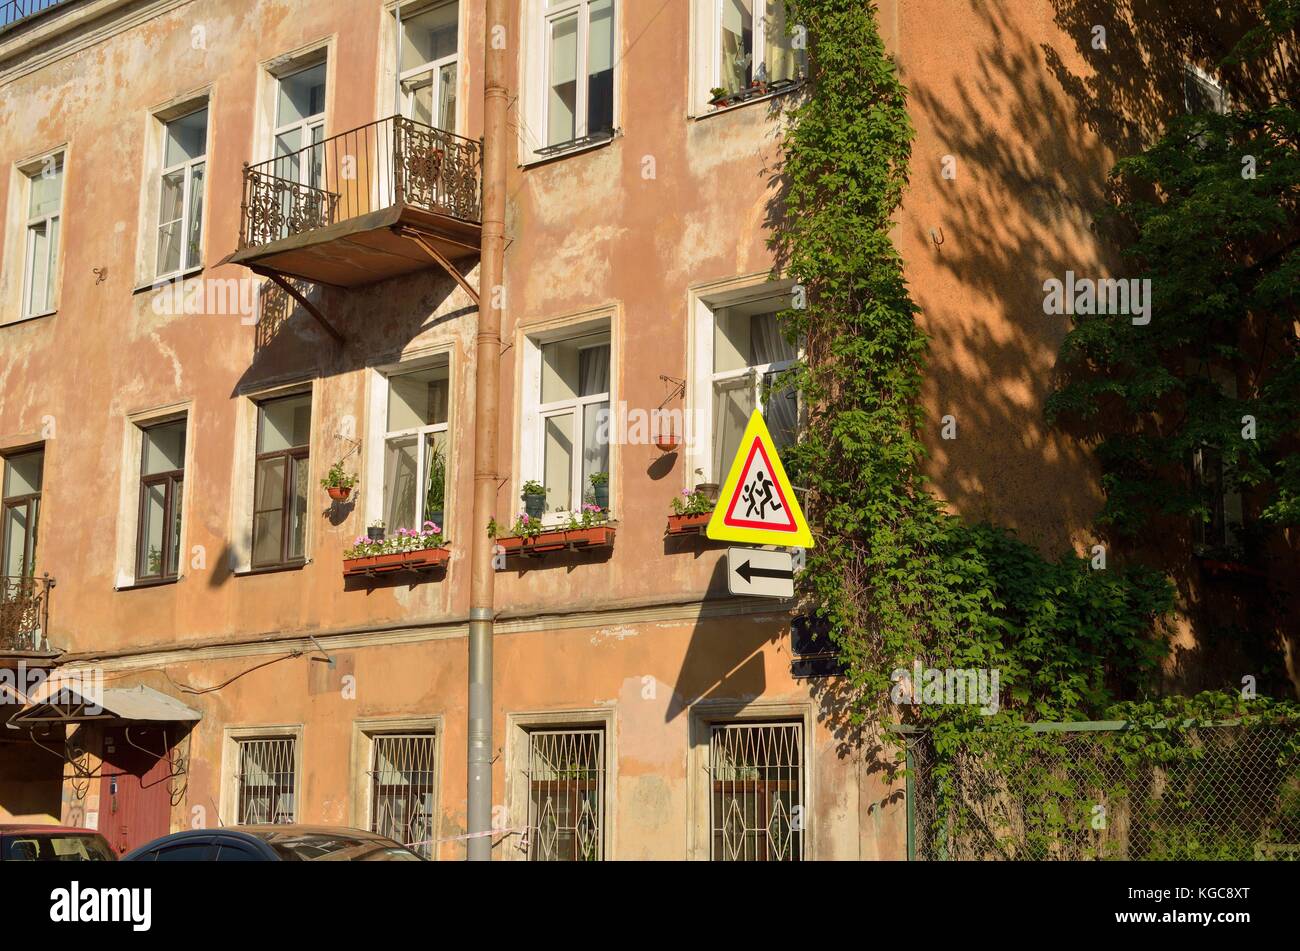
<point x="37" y="843"/>
<point x="273" y="843"/>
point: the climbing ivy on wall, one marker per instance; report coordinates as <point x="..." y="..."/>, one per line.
<point x="896" y="577"/>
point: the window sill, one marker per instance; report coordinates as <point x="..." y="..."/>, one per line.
<point x="272" y="570"/>
<point x="29" y="318"/>
<point x="587" y="145"/>
<point x="163" y="280"/>
<point x="140" y="585"/>
<point x="709" y="110"/>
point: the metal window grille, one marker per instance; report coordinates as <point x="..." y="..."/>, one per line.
<point x="266" y="780"/>
<point x="402" y="789"/>
<point x="756" y="792"/>
<point x="566" y="795"/>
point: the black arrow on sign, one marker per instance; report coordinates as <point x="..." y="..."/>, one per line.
<point x="749" y="574"/>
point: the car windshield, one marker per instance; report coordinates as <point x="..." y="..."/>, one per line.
<point x="56" y="848"/>
<point x="318" y="847"/>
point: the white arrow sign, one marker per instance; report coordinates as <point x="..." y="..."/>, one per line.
<point x="759" y="573"/>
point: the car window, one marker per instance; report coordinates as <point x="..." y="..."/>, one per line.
<point x="57" y="848"/>
<point x="236" y="852"/>
<point x="185" y="852"/>
<point x="336" y="847"/>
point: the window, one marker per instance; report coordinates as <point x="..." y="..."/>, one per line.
<point x="577" y="63"/>
<point x="428" y="63"/>
<point x="415" y="448"/>
<point x="1220" y="533"/>
<point x="739" y="44"/>
<point x="572" y="418"/>
<point x="1202" y="93"/>
<point x="162" y="478"/>
<point x="180" y="209"/>
<point x="266" y="781"/>
<point x="402" y="792"/>
<point x="185" y="852"/>
<point x="300" y="126"/>
<point x="749" y="354"/>
<point x="280" y="481"/>
<point x="566" y="795"/>
<point x="756" y="792"/>
<point x="44" y="212"/>
<point x="23" y="474"/>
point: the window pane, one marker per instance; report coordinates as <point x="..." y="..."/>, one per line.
<point x="417" y="399"/>
<point x="558" y="464"/>
<point x="268" y="511"/>
<point x="563" y="86"/>
<point x="152" y="527"/>
<point x="429" y="36"/>
<point x="164" y="448"/>
<point x="767" y="343"/>
<point x="733" y="402"/>
<point x="593" y="371"/>
<point x="402" y="790"/>
<point x="47" y="190"/>
<point x="186" y="138"/>
<point x="600" y="67"/>
<point x="447" y="104"/>
<point x="15" y="540"/>
<point x="595" y="443"/>
<point x="400" y="481"/>
<point x="781" y="59"/>
<point x="302" y="95"/>
<point x="173" y="567"/>
<point x="731" y="347"/>
<point x="737" y="31"/>
<point x="285" y="423"/>
<point x="169" y="224"/>
<point x="780" y="412"/>
<point x="38" y="267"/>
<point x="419" y="97"/>
<point x="51" y="270"/>
<point x="435" y="478"/>
<point x="566" y="795"/>
<point x="24" y="474"/>
<point x="194" y="245"/>
<point x="298" y="509"/>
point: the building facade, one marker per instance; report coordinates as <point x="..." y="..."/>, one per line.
<point x="240" y="246"/>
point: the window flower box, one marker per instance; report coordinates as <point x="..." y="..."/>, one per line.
<point x="688" y="524"/>
<point x="407" y="550"/>
<point x="559" y="539"/>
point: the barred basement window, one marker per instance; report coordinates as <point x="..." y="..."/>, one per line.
<point x="402" y="789"/>
<point x="266" y="780"/>
<point x="756" y="805"/>
<point x="566" y="795"/>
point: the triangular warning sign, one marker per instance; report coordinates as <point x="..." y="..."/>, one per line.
<point x="757" y="503"/>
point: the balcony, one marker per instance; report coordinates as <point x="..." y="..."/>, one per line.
<point x="11" y="11"/>
<point x="388" y="198"/>
<point x="24" y="613"/>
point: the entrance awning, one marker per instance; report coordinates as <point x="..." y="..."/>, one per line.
<point x="69" y="704"/>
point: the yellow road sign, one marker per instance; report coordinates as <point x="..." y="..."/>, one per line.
<point x="757" y="503"/>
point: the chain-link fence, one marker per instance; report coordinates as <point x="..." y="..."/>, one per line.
<point x="1077" y="791"/>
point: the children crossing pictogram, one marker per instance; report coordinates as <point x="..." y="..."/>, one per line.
<point x="757" y="503"/>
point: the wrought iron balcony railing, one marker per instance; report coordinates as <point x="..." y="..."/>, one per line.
<point x="11" y="11"/>
<point x="24" y="612"/>
<point x="391" y="163"/>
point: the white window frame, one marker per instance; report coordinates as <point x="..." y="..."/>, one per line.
<point x="706" y="72"/>
<point x="420" y="432"/>
<point x="188" y="166"/>
<point x="1196" y="74"/>
<point x="704" y="304"/>
<point x="536" y="413"/>
<point x="305" y="125"/>
<point x="52" y="264"/>
<point x="540" y="16"/>
<point x="433" y="68"/>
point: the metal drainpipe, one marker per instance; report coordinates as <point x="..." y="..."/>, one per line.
<point x="486" y="416"/>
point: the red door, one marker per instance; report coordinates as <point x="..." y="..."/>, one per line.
<point x="134" y="792"/>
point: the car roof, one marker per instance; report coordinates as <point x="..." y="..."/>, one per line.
<point x="34" y="828"/>
<point x="262" y="830"/>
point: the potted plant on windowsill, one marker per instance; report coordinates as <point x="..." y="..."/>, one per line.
<point x="590" y="528"/>
<point x="691" y="512"/>
<point x="529" y="537"/>
<point x="338" y="482"/>
<point x="534" y="498"/>
<point x="600" y="490"/>
<point x="406" y="550"/>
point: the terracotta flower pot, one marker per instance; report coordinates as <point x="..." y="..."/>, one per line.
<point x="668" y="442"/>
<point x="338" y="493"/>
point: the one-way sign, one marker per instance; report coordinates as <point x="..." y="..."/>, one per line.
<point x="759" y="573"/>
